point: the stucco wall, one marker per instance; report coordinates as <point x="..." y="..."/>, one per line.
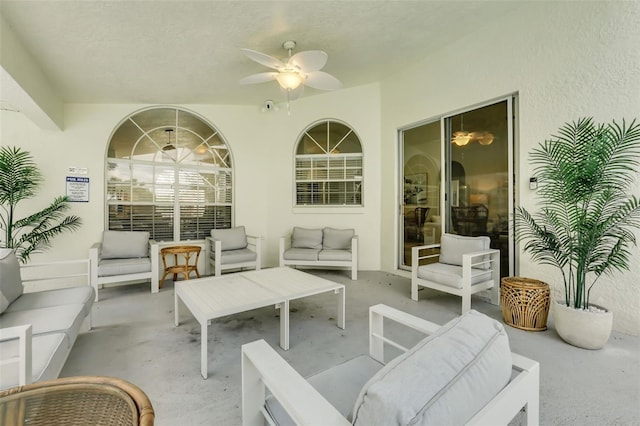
<point x="262" y="146"/>
<point x="565" y="60"/>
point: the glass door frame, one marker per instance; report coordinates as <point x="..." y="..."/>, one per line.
<point x="445" y="190"/>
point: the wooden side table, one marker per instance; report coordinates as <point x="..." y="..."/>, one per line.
<point x="525" y="303"/>
<point x="179" y="253"/>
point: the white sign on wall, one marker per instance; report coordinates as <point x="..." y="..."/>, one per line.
<point x="78" y="189"/>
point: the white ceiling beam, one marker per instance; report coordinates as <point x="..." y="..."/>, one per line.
<point x="23" y="85"/>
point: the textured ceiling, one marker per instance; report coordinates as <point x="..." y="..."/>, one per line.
<point x="178" y="52"/>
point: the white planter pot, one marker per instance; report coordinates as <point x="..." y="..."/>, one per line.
<point x="584" y="329"/>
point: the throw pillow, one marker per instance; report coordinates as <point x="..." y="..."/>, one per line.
<point x="306" y="238"/>
<point x="337" y="239"/>
<point x="231" y="238"/>
<point x="452" y="247"/>
<point x="124" y="244"/>
<point x="10" y="280"/>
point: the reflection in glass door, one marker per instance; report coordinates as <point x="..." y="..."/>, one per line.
<point x="420" y="179"/>
<point x="478" y="158"/>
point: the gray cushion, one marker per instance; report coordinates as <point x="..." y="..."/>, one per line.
<point x="306" y="238"/>
<point x="452" y="247"/>
<point x="43" y="299"/>
<point x="344" y="255"/>
<point x="337" y="239"/>
<point x="232" y="238"/>
<point x="340" y="385"/>
<point x="111" y="267"/>
<point x="445" y="379"/>
<point x="451" y="275"/>
<point x="124" y="244"/>
<point x="53" y="319"/>
<point x="49" y="353"/>
<point x="301" y="254"/>
<point x="238" y="256"/>
<point x="10" y="281"/>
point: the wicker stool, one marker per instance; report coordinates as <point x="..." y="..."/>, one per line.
<point x="525" y="303"/>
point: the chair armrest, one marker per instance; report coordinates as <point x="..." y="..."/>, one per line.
<point x="416" y="257"/>
<point x="262" y="366"/>
<point x="23" y="334"/>
<point x="377" y="340"/>
<point x="479" y="254"/>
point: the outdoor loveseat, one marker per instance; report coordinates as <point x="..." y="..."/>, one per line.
<point x="462" y="373"/>
<point x="322" y="247"/>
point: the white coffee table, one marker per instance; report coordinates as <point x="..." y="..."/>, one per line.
<point x="214" y="297"/>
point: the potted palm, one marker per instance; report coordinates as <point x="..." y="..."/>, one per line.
<point x="19" y="180"/>
<point x="585" y="224"/>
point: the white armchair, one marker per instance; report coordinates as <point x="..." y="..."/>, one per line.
<point x="124" y="256"/>
<point x="233" y="249"/>
<point x="462" y="373"/>
<point x="461" y="265"/>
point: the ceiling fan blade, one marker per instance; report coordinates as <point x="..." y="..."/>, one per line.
<point x="261" y="58"/>
<point x="259" y="78"/>
<point x="322" y="81"/>
<point x="310" y="60"/>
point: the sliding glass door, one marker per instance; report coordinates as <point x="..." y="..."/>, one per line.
<point x="420" y="219"/>
<point x="456" y="176"/>
<point x="479" y="195"/>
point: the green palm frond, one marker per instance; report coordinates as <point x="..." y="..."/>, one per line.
<point x="19" y="180"/>
<point x="585" y="224"/>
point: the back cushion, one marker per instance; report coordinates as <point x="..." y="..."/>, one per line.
<point x="337" y="239"/>
<point x="10" y="280"/>
<point x="452" y="247"/>
<point x="124" y="244"/>
<point x="232" y="238"/>
<point x="306" y="238"/>
<point x="445" y="379"/>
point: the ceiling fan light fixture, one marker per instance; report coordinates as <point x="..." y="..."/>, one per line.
<point x="289" y="80"/>
<point x="461" y="138"/>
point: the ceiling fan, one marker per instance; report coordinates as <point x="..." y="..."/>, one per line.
<point x="301" y="69"/>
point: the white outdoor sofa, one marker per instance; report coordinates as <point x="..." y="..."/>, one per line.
<point x="324" y="248"/>
<point x="39" y="328"/>
<point x="462" y="373"/>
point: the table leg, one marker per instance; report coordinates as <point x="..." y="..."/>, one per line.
<point x="204" y="339"/>
<point x="284" y="325"/>
<point x="341" y="307"/>
<point x="176" y="315"/>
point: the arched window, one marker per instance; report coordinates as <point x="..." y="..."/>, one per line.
<point x="168" y="172"/>
<point x="328" y="166"/>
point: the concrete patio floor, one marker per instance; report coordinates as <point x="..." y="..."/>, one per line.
<point x="134" y="338"/>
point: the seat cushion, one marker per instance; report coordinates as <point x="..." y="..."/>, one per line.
<point x="451" y="275"/>
<point x="301" y="254"/>
<point x="10" y="280"/>
<point x="334" y="255"/>
<point x="44" y="299"/>
<point x="49" y="353"/>
<point x="340" y="385"/>
<point x="306" y="238"/>
<point x="124" y="244"/>
<point x="337" y="239"/>
<point x="111" y="267"/>
<point x="238" y="256"/>
<point x="452" y="247"/>
<point x="53" y="319"/>
<point x="445" y="379"/>
<point x="232" y="238"/>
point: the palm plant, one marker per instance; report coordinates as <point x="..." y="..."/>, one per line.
<point x="19" y="180"/>
<point x="584" y="227"/>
